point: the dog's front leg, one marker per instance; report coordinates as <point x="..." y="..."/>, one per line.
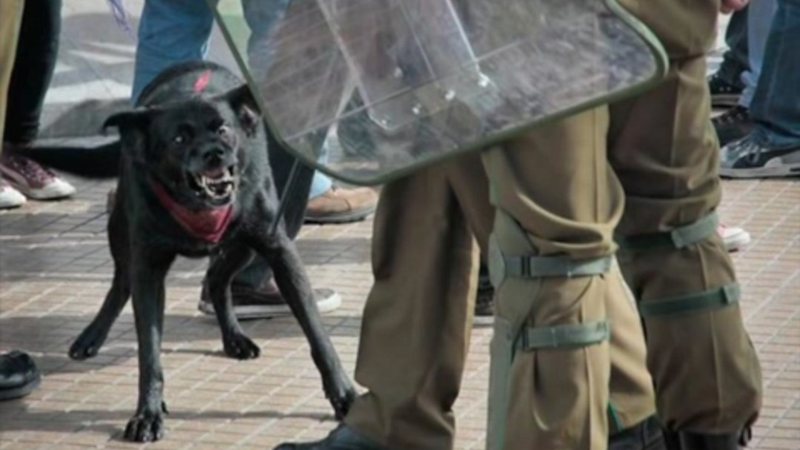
<point x="296" y="289"/>
<point x="224" y="266"/>
<point x="148" y="271"/>
<point x="91" y="339"/>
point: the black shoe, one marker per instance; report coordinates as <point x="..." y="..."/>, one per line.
<point x="683" y="440"/>
<point x="18" y="375"/>
<point x="646" y="435"/>
<point x="698" y="441"/>
<point x="265" y="302"/>
<point x="484" y="301"/>
<point x="746" y="158"/>
<point x="732" y="125"/>
<point x="723" y="94"/>
<point x="341" y="438"/>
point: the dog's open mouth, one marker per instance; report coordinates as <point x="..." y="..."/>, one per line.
<point x="215" y="184"/>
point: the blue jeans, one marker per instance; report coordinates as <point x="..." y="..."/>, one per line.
<point x="734" y="60"/>
<point x="173" y="31"/>
<point x="759" y="18"/>
<point x="776" y="103"/>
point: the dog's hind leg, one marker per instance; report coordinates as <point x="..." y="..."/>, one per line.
<point x="148" y="270"/>
<point x="91" y="339"/>
<point x="220" y="275"/>
<point x="296" y="289"/>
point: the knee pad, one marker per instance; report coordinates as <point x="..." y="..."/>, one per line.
<point x="512" y="336"/>
<point x="680" y="238"/>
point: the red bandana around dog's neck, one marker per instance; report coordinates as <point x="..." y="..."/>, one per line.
<point x="208" y="225"/>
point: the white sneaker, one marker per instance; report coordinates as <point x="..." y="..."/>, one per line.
<point x="33" y="180"/>
<point x="734" y="237"/>
<point x="10" y="197"/>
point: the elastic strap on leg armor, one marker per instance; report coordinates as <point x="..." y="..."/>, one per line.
<point x="554" y="266"/>
<point x="562" y="336"/>
<point x="691" y="303"/>
<point x="502" y="266"/>
<point x="680" y="237"/>
<point x="507" y="341"/>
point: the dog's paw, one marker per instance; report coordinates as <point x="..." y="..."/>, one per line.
<point x="88" y="343"/>
<point x="146" y="426"/>
<point x="341" y="394"/>
<point x="239" y="346"/>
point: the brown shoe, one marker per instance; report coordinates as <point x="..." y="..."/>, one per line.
<point x="340" y="205"/>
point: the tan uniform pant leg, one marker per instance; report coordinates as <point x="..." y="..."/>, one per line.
<point x="418" y="316"/>
<point x="416" y="322"/>
<point x="10" y="21"/>
<point x="664" y="150"/>
<point x="556" y="195"/>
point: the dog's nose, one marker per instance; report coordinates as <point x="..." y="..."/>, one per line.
<point x="213" y="157"/>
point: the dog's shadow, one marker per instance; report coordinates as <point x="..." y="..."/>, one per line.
<point x="112" y="423"/>
<point x="48" y="338"/>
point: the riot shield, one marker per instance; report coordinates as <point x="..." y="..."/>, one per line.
<point x="369" y="90"/>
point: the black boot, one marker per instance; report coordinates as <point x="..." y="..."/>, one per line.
<point x="672" y="439"/>
<point x="18" y="375"/>
<point x="699" y="441"/>
<point x="342" y="438"/>
<point x="685" y="440"/>
<point x="646" y="435"/>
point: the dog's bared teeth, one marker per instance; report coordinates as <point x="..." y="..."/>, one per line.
<point x="200" y="180"/>
<point x="219" y="185"/>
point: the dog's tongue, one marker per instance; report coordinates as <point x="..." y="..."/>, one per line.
<point x="214" y="173"/>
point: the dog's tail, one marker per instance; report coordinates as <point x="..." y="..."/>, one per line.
<point x="90" y="157"/>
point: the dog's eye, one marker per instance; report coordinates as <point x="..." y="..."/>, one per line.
<point x="179" y="139"/>
<point x="224" y="131"/>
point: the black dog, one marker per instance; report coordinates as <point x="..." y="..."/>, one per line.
<point x="194" y="180"/>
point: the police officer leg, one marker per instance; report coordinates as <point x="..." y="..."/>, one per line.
<point x="418" y="316"/>
<point x="662" y="146"/>
<point x="557" y="203"/>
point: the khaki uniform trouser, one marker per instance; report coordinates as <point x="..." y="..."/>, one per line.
<point x="10" y="21"/>
<point x="643" y="166"/>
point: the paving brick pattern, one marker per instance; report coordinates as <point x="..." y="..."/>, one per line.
<point x="55" y="268"/>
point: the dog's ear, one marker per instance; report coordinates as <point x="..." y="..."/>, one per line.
<point x="132" y="126"/>
<point x="135" y="119"/>
<point x="244" y="104"/>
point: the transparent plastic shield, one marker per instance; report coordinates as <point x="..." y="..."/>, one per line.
<point x="368" y="90"/>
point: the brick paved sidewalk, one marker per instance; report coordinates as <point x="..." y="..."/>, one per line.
<point x="55" y="269"/>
